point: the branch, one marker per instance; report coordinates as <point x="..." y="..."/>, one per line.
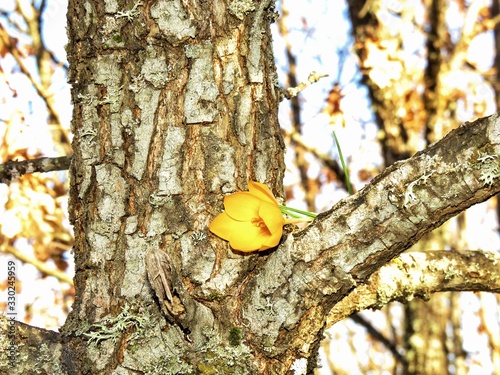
<point x="407" y="200"/>
<point x="11" y="170"/>
<point x="377" y="335"/>
<point x="315" y="269"/>
<point x="419" y="274"/>
<point x="39" y="265"/>
<point x="36" y="350"/>
<point x="44" y="95"/>
<point x="292" y="92"/>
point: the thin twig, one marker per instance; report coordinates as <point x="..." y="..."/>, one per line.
<point x="39" y="265"/>
<point x="313" y="78"/>
<point x="377" y="335"/>
<point x="11" y="170"/>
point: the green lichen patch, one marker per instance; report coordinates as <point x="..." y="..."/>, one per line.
<point x="113" y="328"/>
<point x="224" y="359"/>
<point x="216" y="296"/>
<point x="235" y="336"/>
<point x="239" y="8"/>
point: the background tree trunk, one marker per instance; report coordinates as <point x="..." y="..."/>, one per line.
<point x="428" y="343"/>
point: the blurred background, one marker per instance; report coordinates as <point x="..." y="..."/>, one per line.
<point x="397" y="75"/>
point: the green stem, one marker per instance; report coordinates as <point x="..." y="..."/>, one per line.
<point x="344" y="167"/>
<point x="294" y="211"/>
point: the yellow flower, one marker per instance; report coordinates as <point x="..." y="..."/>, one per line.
<point x="251" y="221"/>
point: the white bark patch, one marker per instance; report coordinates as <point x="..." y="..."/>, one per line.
<point x="109" y="74"/>
<point x="155" y="68"/>
<point x="131" y="224"/>
<point x="169" y="176"/>
<point x="112" y="194"/>
<point x="239" y="8"/>
<point x="147" y="100"/>
<point x="111" y="6"/>
<point x="103" y="245"/>
<point x="134" y="279"/>
<point x="493" y="131"/>
<point x="255" y="71"/>
<point x="243" y="118"/>
<point x="227" y="275"/>
<point x="89" y="14"/>
<point x="173" y="21"/>
<point x="89" y="146"/>
<point x="117" y="140"/>
<point x="198" y="259"/>
<point x="220" y="165"/>
<point x="156" y="224"/>
<point x="262" y="162"/>
<point x="229" y="68"/>
<point x="201" y="89"/>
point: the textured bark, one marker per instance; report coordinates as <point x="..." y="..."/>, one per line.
<point x="35" y="350"/>
<point x="175" y="107"/>
<point x="418" y="275"/>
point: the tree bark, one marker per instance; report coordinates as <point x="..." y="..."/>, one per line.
<point x="175" y="106"/>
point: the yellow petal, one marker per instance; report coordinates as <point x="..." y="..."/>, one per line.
<point x="249" y="238"/>
<point x="262" y="191"/>
<point x="242" y="206"/>
<point x="242" y="235"/>
<point x="272" y="241"/>
<point x="251" y="221"/>
<point x="222" y="226"/>
<point x="272" y="216"/>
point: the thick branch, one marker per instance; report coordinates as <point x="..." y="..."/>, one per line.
<point x="407" y="200"/>
<point x="315" y="269"/>
<point x="13" y="169"/>
<point x="419" y="274"/>
<point x="36" y="350"/>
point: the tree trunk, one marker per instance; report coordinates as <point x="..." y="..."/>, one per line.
<point x="175" y="105"/>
